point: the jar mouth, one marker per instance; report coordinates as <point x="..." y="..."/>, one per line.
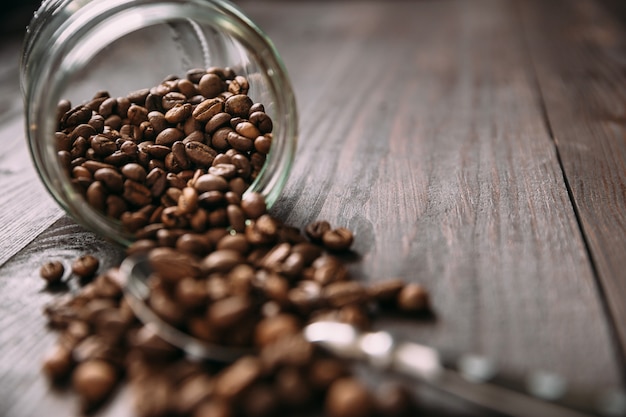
<point x="125" y="45"/>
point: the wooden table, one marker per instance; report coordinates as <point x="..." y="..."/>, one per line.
<point x="478" y="148"/>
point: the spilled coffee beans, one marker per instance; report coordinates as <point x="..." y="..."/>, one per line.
<point x="172" y="164"/>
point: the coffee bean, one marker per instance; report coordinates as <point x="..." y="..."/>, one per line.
<point x="339" y="239"/>
<point x="234" y="380"/>
<point x="386" y="290"/>
<point x="110" y="178"/>
<point x="52" y="271"/>
<point x="270" y="329"/>
<point x="253" y="205"/>
<point x="85" y="266"/>
<point x="263" y="144"/>
<point x="262" y="121"/>
<point x="239" y="85"/>
<point x="238" y="105"/>
<point x="200" y="154"/>
<point x="136" y="193"/>
<point x="239" y="142"/>
<point x="138" y="96"/>
<point x="93" y="381"/>
<point x="210" y="182"/>
<point x="178" y="113"/>
<point x="173" y="265"/>
<point x="58" y="363"/>
<point x="413" y="298"/>
<point x="347" y="397"/>
<point x="339" y="294"/>
<point x="137" y="114"/>
<point x="217" y="121"/>
<point x="207" y="109"/>
<point x="222" y="261"/>
<point x="210" y="85"/>
<point x="172" y="99"/>
<point x="315" y="231"/>
<point x="168" y="136"/>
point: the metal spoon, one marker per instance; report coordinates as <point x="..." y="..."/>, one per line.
<point x="472" y="378"/>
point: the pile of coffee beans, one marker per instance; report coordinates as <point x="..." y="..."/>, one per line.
<point x="131" y="157"/>
<point x="171" y="163"/>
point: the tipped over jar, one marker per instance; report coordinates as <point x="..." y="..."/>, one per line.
<point x="128" y="102"/>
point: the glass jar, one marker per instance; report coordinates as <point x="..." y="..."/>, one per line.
<point x="75" y="48"/>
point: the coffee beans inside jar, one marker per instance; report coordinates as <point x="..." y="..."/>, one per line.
<point x="171" y="163"/>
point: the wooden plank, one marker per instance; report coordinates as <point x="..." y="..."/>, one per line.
<point x="26" y="209"/>
<point x="421" y="130"/>
<point x="583" y="87"/>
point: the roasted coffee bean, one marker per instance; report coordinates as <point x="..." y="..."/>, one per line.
<point x="102" y="145"/>
<point x="136" y="193"/>
<point x="194" y="136"/>
<point x="138" y="96"/>
<point x="263" y="144"/>
<point x="315" y="231"/>
<point x="207" y="109"/>
<point x="200" y="154"/>
<point x="347" y="397"/>
<point x="52" y="271"/>
<point x="413" y="298"/>
<point x="178" y="113"/>
<point x="262" y="121"/>
<point x="107" y="107"/>
<point x="236" y="218"/>
<point x="110" y="178"/>
<point x="219" y="139"/>
<point x="84" y="130"/>
<point x="226" y="171"/>
<point x="58" y="363"/>
<point x="217" y="121"/>
<point x="386" y="290"/>
<point x="85" y="266"/>
<point x="211" y="85"/>
<point x="76" y="116"/>
<point x="229" y="311"/>
<point x="173" y="265"/>
<point x="342" y="293"/>
<point x="137" y="114"/>
<point x="240" y="142"/>
<point x="188" y="200"/>
<point x="168" y="136"/>
<point x="270" y="329"/>
<point x="93" y="381"/>
<point x="134" y="172"/>
<point x="238" y="105"/>
<point x="339" y="239"/>
<point x="253" y="205"/>
<point x="210" y="182"/>
<point x="172" y="99"/>
<point x="154" y="102"/>
<point x="236" y="378"/>
<point x="222" y="261"/>
<point x="239" y="85"/>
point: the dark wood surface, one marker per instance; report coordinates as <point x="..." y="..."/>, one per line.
<point x="478" y="148"/>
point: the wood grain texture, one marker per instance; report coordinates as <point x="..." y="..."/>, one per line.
<point x="422" y="129"/>
<point x="26" y="209"/>
<point x="584" y="88"/>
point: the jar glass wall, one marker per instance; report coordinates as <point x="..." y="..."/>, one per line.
<point x="74" y="49"/>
